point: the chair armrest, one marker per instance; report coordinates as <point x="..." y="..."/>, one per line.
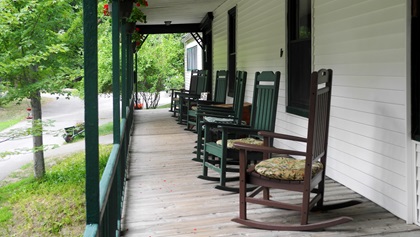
<point x="189" y="96"/>
<point x="266" y="149"/>
<point x="238" y="128"/>
<point x="214" y="106"/>
<point x="208" y="103"/>
<point x="209" y="109"/>
<point x="221" y="125"/>
<point x="218" y="114"/>
<point x="282" y="136"/>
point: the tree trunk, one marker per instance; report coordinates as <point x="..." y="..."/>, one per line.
<point x="39" y="165"/>
<point x="151" y="99"/>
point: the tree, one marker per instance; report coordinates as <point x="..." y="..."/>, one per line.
<point x="41" y="51"/>
<point x="160" y="66"/>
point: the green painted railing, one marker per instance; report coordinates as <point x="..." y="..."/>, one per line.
<point x="104" y="198"/>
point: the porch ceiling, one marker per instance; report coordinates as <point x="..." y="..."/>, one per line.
<point x="179" y="11"/>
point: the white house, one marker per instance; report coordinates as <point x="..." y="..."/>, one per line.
<point x="193" y="57"/>
<point x="367" y="44"/>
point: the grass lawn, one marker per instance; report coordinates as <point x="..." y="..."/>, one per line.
<point x="12" y="114"/>
<point x="52" y="206"/>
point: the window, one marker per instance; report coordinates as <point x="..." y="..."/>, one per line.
<point x="299" y="56"/>
<point x="192" y="58"/>
<point x="415" y="70"/>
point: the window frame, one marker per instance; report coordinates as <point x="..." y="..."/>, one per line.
<point x="231" y="51"/>
<point x="192" y="58"/>
<point x="299" y="58"/>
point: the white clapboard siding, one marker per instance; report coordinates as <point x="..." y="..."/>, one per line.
<point x="258" y="26"/>
<point x="220" y="38"/>
<point x="364" y="42"/>
<point x="260" y="37"/>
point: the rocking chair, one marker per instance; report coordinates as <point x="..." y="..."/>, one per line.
<point x="283" y="172"/>
<point x="176" y="92"/>
<point x="220" y="115"/>
<point x="186" y="98"/>
<point x="219" y="98"/>
<point x="263" y="117"/>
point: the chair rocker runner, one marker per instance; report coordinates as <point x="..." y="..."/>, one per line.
<point x="300" y="175"/>
<point x="263" y="117"/>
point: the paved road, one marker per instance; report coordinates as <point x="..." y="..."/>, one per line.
<point x="65" y="113"/>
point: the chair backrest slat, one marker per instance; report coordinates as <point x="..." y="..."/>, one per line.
<point x="221" y="86"/>
<point x="239" y="95"/>
<point x="264" y="103"/>
<point x="193" y="81"/>
<point x="318" y="124"/>
<point x="201" y="82"/>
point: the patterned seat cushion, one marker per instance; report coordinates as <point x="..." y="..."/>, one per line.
<point x="248" y="140"/>
<point x="285" y="168"/>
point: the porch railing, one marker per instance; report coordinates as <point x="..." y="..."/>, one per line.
<point x="104" y="198"/>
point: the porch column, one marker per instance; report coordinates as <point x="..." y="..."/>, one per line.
<point x="90" y="32"/>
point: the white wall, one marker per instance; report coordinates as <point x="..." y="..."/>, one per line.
<point x="364" y="42"/>
<point x="254" y="23"/>
<point x="220" y="38"/>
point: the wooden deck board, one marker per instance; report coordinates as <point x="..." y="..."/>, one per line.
<point x="165" y="198"/>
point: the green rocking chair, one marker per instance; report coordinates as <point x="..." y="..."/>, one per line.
<point x="263" y="116"/>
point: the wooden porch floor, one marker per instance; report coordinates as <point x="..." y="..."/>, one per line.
<point x="165" y="198"/>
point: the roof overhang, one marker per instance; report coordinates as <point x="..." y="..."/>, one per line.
<point x="178" y="16"/>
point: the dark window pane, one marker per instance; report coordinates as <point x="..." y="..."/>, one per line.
<point x="299" y="56"/>
<point x="304" y="20"/>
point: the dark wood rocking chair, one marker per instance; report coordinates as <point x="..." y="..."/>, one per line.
<point x="263" y="117"/>
<point x="219" y="98"/>
<point x="283" y="172"/>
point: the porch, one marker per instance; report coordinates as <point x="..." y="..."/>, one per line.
<point x="164" y="197"/>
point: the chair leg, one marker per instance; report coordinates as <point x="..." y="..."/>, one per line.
<point x="199" y="144"/>
<point x="223" y="178"/>
<point x="206" y="164"/>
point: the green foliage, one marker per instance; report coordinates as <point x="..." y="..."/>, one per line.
<point x="41" y="46"/>
<point x="160" y="64"/>
<point x="104" y="56"/>
<point x="51" y="206"/>
<point x="106" y="128"/>
<point x="9" y="123"/>
<point x="41" y="51"/>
